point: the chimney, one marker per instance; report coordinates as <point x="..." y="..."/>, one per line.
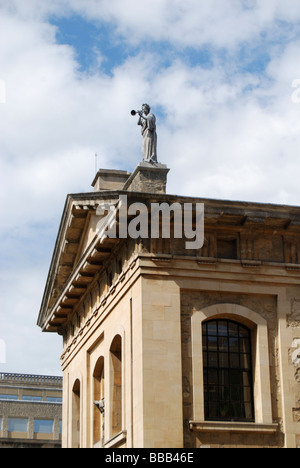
<point x="109" y="179"/>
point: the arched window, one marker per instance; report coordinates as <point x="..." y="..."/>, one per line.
<point x="116" y="385"/>
<point x="76" y="415"/>
<point x="98" y="396"/>
<point x="228" y="380"/>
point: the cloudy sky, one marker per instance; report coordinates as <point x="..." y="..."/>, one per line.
<point x="222" y="77"/>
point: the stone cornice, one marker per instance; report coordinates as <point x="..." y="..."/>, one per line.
<point x="72" y="271"/>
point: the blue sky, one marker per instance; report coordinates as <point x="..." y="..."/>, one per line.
<point x="218" y="75"/>
<point x="90" y="40"/>
<point x="94" y="39"/>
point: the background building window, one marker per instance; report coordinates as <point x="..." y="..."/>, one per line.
<point x="228" y="382"/>
<point x="32" y="398"/>
<point x="8" y="397"/>
<point x="43" y="426"/>
<point x="17" y="425"/>
<point x="54" y="399"/>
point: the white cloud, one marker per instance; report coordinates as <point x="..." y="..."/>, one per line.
<point x="221" y="23"/>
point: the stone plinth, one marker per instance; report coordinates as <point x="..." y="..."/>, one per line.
<point x="149" y="178"/>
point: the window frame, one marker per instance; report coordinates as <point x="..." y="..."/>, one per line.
<point x="17" y="421"/>
<point x="260" y="352"/>
<point x="116" y="379"/>
<point x="227" y="369"/>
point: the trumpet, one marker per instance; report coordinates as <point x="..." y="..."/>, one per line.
<point x="133" y="112"/>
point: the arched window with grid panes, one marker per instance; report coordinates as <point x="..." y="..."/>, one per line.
<point x="227" y="366"/>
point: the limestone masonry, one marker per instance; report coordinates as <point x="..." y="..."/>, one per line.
<point x="178" y="348"/>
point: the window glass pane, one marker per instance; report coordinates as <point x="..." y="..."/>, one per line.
<point x="224" y="377"/>
<point x="246" y="379"/>
<point x="244" y="345"/>
<point x="54" y="399"/>
<point x="223" y="360"/>
<point x="245" y="361"/>
<point x="212" y="377"/>
<point x="31" y="398"/>
<point x="213" y="395"/>
<point x="223" y="344"/>
<point x="247" y="394"/>
<point x="224" y="393"/>
<point x="236" y="410"/>
<point x="234" y="361"/>
<point x="224" y="410"/>
<point x="222" y="328"/>
<point x="233" y="329"/>
<point x="234" y="344"/>
<point x="248" y="410"/>
<point x="43" y="426"/>
<point x="235" y="377"/>
<point x="8" y="397"/>
<point x="235" y="394"/>
<point x="212" y="328"/>
<point x="212" y="343"/>
<point x="17" y="424"/>
<point x="243" y="332"/>
<point x="213" y="410"/>
<point x="213" y="359"/>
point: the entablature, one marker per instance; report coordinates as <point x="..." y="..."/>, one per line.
<point x="251" y="234"/>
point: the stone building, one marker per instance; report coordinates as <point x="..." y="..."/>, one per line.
<point x="179" y="347"/>
<point x="30" y="411"/>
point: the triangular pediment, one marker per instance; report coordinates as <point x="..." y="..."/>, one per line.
<point x="77" y="257"/>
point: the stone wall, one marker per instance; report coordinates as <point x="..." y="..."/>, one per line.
<point x="265" y="306"/>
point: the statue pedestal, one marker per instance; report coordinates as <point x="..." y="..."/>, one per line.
<point x="149" y="178"/>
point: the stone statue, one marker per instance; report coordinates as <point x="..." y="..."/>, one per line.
<point x="147" y="121"/>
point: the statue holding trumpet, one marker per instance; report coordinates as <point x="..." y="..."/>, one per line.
<point x="147" y="121"/>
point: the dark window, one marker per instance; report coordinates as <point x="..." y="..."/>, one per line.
<point x="228" y="385"/>
<point x="116" y="385"/>
<point x="227" y="248"/>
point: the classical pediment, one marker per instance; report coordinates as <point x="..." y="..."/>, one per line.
<point x="79" y="254"/>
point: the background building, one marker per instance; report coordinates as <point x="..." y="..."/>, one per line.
<point x="30" y="411"/>
<point x="182" y="348"/>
